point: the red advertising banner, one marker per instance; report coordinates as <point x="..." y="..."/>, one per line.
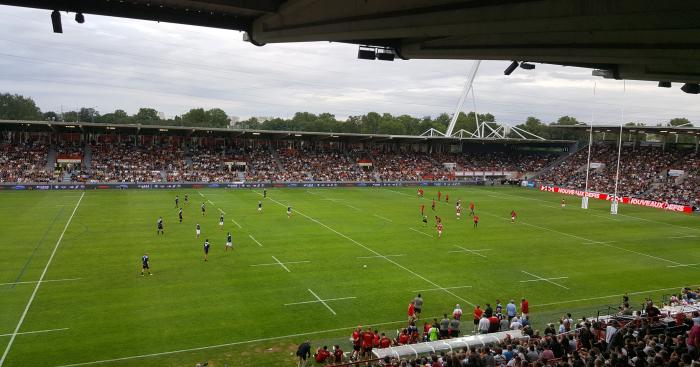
<point x="623" y="199"/>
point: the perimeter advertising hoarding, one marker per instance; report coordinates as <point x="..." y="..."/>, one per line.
<point x="624" y="199"/>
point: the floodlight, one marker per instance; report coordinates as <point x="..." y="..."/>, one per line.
<point x="510" y="68"/>
<point x="527" y="65"/>
<point x="663" y="84"/>
<point x="385" y="55"/>
<point x="56" y="21"/>
<point x="366" y="53"/>
<point x="80" y="18"/>
<point x="691" y="88"/>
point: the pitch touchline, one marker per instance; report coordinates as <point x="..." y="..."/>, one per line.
<point x="36" y="332"/>
<point x="421" y="232"/>
<point x="227" y="344"/>
<point x="436" y="289"/>
<point x="612" y="295"/>
<point x="38" y="284"/>
<point x="42" y="281"/>
<point x="376" y="253"/>
<point x="256" y="241"/>
<point x="539" y="278"/>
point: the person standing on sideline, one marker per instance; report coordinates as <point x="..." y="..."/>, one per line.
<point x="524" y="308"/>
<point x="418" y="303"/>
<point x="478" y="312"/>
<point x="511" y="310"/>
<point x="304" y="352"/>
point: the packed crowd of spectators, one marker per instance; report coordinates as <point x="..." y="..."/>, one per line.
<point x="407" y="166"/>
<point x="130" y="163"/>
<point x="207" y="165"/>
<point x="644" y="173"/>
<point x="642" y="338"/>
<point x="262" y="165"/>
<point x="318" y="165"/>
<point x="20" y="162"/>
<point x="501" y="161"/>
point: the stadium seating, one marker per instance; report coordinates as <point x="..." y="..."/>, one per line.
<point x="647" y="172"/>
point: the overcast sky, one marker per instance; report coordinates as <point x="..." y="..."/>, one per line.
<point x="111" y="63"/>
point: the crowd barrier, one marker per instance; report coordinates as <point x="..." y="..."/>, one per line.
<point x="229" y="185"/>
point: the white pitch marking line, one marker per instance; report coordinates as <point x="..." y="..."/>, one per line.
<point x="680" y="265"/>
<point x="656" y="221"/>
<point x="686" y="236"/>
<point x="200" y="194"/>
<point x="42" y="281"/>
<point x="473" y="252"/>
<point x="379" y="256"/>
<point x="386" y="219"/>
<point x="613" y="295"/>
<point x="221" y="211"/>
<point x="286" y="262"/>
<point x="376" y="253"/>
<point x="327" y="299"/>
<point x="539" y="280"/>
<point x="545" y="205"/>
<point x="236" y="223"/>
<point x="437" y="289"/>
<point x="256" y="241"/>
<point x="36" y="332"/>
<point x="604" y="217"/>
<point x="38" y="284"/>
<point x="545" y="279"/>
<point x="586" y="239"/>
<point x="210" y="202"/>
<point x="597" y="242"/>
<point x="194" y="349"/>
<point x="399" y="192"/>
<point x="421" y="232"/>
<point x="322" y="301"/>
<point x="282" y="265"/>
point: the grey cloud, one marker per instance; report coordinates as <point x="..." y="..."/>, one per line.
<point x="117" y="63"/>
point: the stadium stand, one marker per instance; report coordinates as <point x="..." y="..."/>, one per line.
<point x="647" y="337"/>
<point x="645" y="172"/>
<point x="666" y="174"/>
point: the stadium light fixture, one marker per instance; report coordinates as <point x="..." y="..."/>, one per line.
<point x="366" y="53"/>
<point x="385" y="54"/>
<point x="163" y="130"/>
<point x="663" y="84"/>
<point x="256" y="133"/>
<point x="79" y="18"/>
<point x="691" y="88"/>
<point x="56" y="21"/>
<point x="297" y="135"/>
<point x="509" y="70"/>
<point x="527" y="65"/>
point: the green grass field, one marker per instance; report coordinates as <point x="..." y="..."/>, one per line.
<point x="242" y="308"/>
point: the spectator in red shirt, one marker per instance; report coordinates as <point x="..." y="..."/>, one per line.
<point x="322" y="354"/>
<point x="384" y="341"/>
<point x="404" y="338"/>
<point x="375" y="341"/>
<point x="524" y="307"/>
<point x="356" y="343"/>
<point x="367" y="342"/>
<point x="477" y="316"/>
<point x="411" y="312"/>
<point x="337" y="354"/>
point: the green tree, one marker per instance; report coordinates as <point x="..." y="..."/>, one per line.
<point x="194" y="117"/>
<point x="88" y="114"/>
<point x="680" y="121"/>
<point x="216" y="117"/>
<point x="17" y="107"/>
<point x="50" y="116"/>
<point x="70" y="116"/>
<point x="146" y="116"/>
<point x="251" y="123"/>
<point x="533" y="125"/>
<point x="566" y="120"/>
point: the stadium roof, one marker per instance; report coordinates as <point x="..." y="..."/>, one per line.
<point x="661" y="130"/>
<point x="80" y="127"/>
<point x="623" y="39"/>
